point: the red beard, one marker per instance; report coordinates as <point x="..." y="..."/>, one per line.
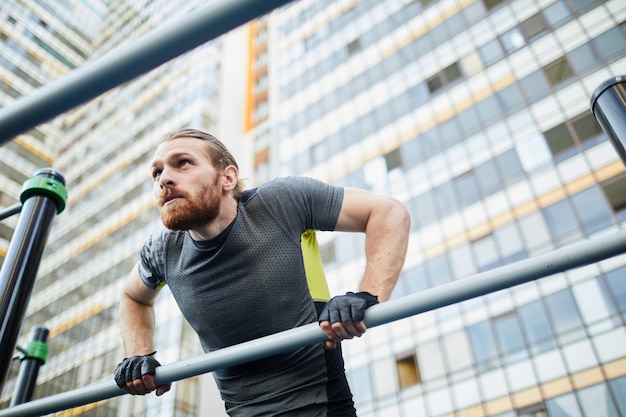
<point x="191" y="212"/>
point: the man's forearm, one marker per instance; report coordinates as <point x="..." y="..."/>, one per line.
<point x="386" y="243"/>
<point x="136" y="326"/>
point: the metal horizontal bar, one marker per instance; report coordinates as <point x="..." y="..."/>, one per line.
<point x="128" y="62"/>
<point x="563" y="259"/>
<point x="10" y="211"/>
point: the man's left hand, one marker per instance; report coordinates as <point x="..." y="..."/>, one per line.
<point x="342" y="317"/>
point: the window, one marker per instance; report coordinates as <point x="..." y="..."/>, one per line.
<point x="535" y="410"/>
<point x="408" y="370"/>
<point x="534" y="322"/>
<point x="534" y="26"/>
<point x="434" y="83"/>
<point x="512" y="40"/>
<point x="558" y="71"/>
<point x="491" y="52"/>
<point x="354" y="46"/>
<point x="452" y="72"/>
<point x="559" y="139"/>
<point x="490" y="4"/>
<point x="562" y="222"/>
<point x="592" y="210"/>
<point x="483" y="346"/>
<point x="557" y="14"/>
<point x="617" y="284"/>
<point x="614" y="191"/>
<point x="564" y="313"/>
<point x="586" y="127"/>
<point x="393" y="160"/>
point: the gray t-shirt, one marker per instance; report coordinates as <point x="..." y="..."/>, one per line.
<point x="250" y="282"/>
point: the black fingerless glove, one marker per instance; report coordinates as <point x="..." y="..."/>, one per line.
<point x="349" y="307"/>
<point x="134" y="367"/>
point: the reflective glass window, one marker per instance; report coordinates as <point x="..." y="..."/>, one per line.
<point x="534" y="26"/>
<point x="509" y="243"/>
<point x="557" y="14"/>
<point x="483" y="345"/>
<point x="510" y="98"/>
<point x="563" y="406"/>
<point x="610" y="43"/>
<point x="512" y="40"/>
<point x="562" y="222"/>
<point x="445" y="198"/>
<point x="509" y="165"/>
<point x="489" y="109"/>
<point x="462" y="261"/>
<point x="559" y="139"/>
<point x="509" y="336"/>
<point x="592" y="209"/>
<point x="426" y="209"/>
<point x="534" y="321"/>
<point x="491" y="52"/>
<point x="487" y="177"/>
<point x="410" y="153"/>
<point x="468" y="121"/>
<point x="563" y="312"/>
<point x="535" y="86"/>
<point x="535" y="232"/>
<point x="583" y="58"/>
<point x="430" y="143"/>
<point x="486" y="253"/>
<point x="596" y="400"/>
<point x="467" y="188"/>
<point x="439" y="270"/>
<point x="617" y="284"/>
<point x="558" y="71"/>
<point x="618" y="388"/>
<point x="450" y="133"/>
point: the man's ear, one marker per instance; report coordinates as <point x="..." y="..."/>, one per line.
<point x="230" y="175"/>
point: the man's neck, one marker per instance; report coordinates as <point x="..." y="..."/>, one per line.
<point x="227" y="214"/>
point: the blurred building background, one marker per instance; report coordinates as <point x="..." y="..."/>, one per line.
<point x="474" y="113"/>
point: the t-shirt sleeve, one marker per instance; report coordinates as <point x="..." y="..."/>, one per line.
<point x="303" y="203"/>
<point x="151" y="263"/>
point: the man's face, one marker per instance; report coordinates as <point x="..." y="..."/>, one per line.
<point x="187" y="187"/>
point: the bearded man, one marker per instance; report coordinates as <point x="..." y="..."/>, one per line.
<point x="238" y="264"/>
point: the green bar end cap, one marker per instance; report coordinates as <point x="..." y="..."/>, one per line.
<point x="36" y="349"/>
<point x="49" y="183"/>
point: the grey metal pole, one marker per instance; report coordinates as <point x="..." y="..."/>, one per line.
<point x="10" y="211"/>
<point x="608" y="104"/>
<point x="128" y="62"/>
<point x="572" y="256"/>
<point x="35" y="353"/>
<point x="43" y="196"/>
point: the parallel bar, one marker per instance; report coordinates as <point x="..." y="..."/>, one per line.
<point x="573" y="256"/>
<point x="21" y="263"/>
<point x="10" y="211"/>
<point x="128" y="62"/>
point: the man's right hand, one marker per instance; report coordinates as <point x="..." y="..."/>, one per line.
<point x="135" y="375"/>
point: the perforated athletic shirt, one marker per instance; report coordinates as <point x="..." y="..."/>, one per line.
<point x="249" y="282"/>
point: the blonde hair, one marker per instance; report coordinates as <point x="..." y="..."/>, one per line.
<point x="215" y="150"/>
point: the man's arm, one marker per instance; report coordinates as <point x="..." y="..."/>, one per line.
<point x="386" y="224"/>
<point x="137" y="321"/>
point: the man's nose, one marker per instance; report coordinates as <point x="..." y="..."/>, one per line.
<point x="165" y="178"/>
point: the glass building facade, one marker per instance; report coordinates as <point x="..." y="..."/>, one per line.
<point x="104" y="152"/>
<point x="40" y="41"/>
<point x="474" y="113"/>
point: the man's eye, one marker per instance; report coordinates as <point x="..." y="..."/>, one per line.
<point x="156" y="174"/>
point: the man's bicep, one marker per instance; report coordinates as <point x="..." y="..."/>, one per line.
<point x="136" y="289"/>
<point x="356" y="208"/>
